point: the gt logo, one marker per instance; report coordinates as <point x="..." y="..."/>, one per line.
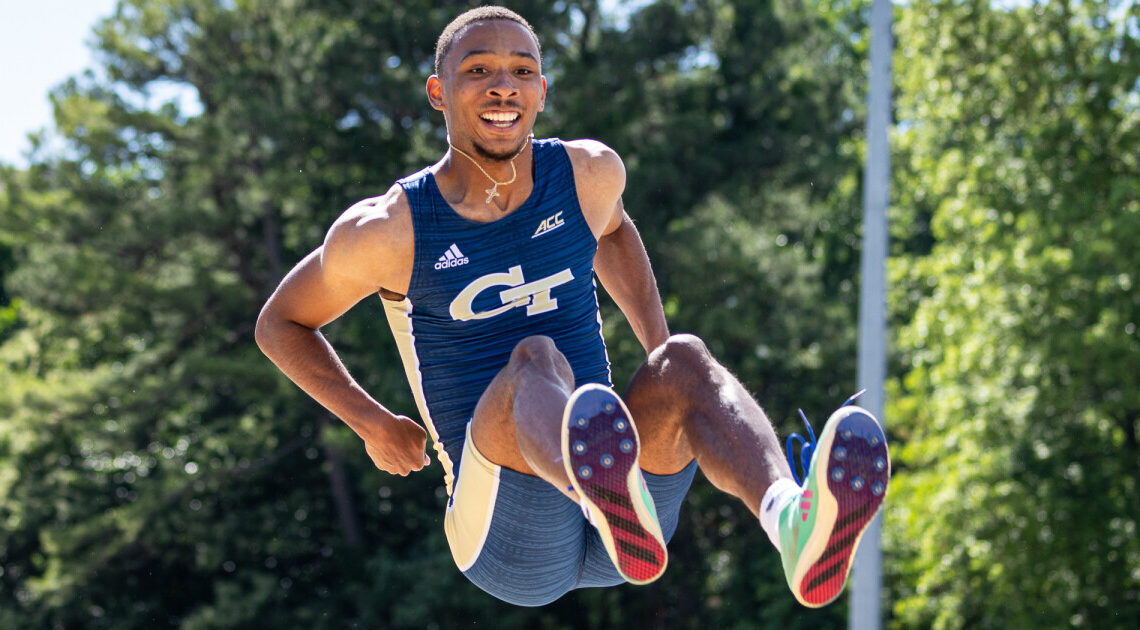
<point x="535" y="296"/>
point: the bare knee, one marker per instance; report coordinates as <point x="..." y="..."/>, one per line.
<point x="534" y="345"/>
<point x="517" y="403"/>
<point x="676" y="372"/>
<point x="539" y="353"/>
<point x="681" y="353"/>
<point x="664" y="398"/>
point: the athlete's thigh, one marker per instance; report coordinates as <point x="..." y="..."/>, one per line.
<point x="493" y="424"/>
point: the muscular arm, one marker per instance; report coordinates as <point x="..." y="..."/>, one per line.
<point x="623" y="267"/>
<point x="361" y="254"/>
<point x="621" y="262"/>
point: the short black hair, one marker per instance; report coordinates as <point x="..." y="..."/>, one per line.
<point x="479" y="14"/>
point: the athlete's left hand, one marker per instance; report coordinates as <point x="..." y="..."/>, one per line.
<point x="399" y="446"/>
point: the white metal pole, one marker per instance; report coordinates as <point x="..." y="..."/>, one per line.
<point x="867" y="574"/>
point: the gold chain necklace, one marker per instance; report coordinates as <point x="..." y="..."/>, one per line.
<point x="493" y="191"/>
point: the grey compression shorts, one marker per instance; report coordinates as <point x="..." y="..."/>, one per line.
<point x="518" y="538"/>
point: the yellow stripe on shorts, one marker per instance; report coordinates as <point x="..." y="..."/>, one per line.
<point x="468" y="517"/>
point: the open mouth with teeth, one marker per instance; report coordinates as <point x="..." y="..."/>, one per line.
<point x="502" y="120"/>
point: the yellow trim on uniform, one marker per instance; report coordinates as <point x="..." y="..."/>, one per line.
<point x="399" y="314"/>
<point x="469" y="513"/>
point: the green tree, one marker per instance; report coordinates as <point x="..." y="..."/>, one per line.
<point x="155" y="469"/>
<point x="739" y="122"/>
<point x="1015" y="504"/>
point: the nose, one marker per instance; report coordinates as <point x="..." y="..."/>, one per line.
<point x="503" y="86"/>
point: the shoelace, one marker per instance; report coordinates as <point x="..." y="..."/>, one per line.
<point x="807" y="446"/>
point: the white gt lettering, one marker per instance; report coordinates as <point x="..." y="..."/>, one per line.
<point x="535" y="296"/>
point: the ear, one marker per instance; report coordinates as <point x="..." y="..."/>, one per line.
<point x="434" y="89"/>
<point x="542" y="102"/>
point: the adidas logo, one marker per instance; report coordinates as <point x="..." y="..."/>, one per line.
<point x="551" y="222"/>
<point x="451" y="258"/>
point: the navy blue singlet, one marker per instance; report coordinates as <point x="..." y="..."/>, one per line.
<point x="477" y="289"/>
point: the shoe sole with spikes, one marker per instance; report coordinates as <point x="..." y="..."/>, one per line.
<point x="844" y="489"/>
<point x="600" y="449"/>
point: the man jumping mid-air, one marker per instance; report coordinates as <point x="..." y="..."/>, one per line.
<point x="485" y="263"/>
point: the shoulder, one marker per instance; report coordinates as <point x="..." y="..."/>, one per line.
<point x="383" y="220"/>
<point x="596" y="162"/>
<point x="372" y="238"/>
<point x="599" y="176"/>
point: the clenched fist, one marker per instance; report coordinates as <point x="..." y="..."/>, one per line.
<point x="397" y="446"/>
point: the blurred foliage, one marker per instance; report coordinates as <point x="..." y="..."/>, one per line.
<point x="1018" y="182"/>
<point x="157" y="471"/>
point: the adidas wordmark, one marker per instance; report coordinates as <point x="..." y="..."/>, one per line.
<point x="452" y="257"/>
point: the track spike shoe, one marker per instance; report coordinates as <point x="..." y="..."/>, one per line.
<point x="600" y="449"/>
<point x="846" y="472"/>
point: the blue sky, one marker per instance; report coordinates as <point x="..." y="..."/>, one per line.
<point x="41" y="44"/>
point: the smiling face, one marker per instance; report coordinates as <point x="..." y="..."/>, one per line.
<point x="490" y="88"/>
